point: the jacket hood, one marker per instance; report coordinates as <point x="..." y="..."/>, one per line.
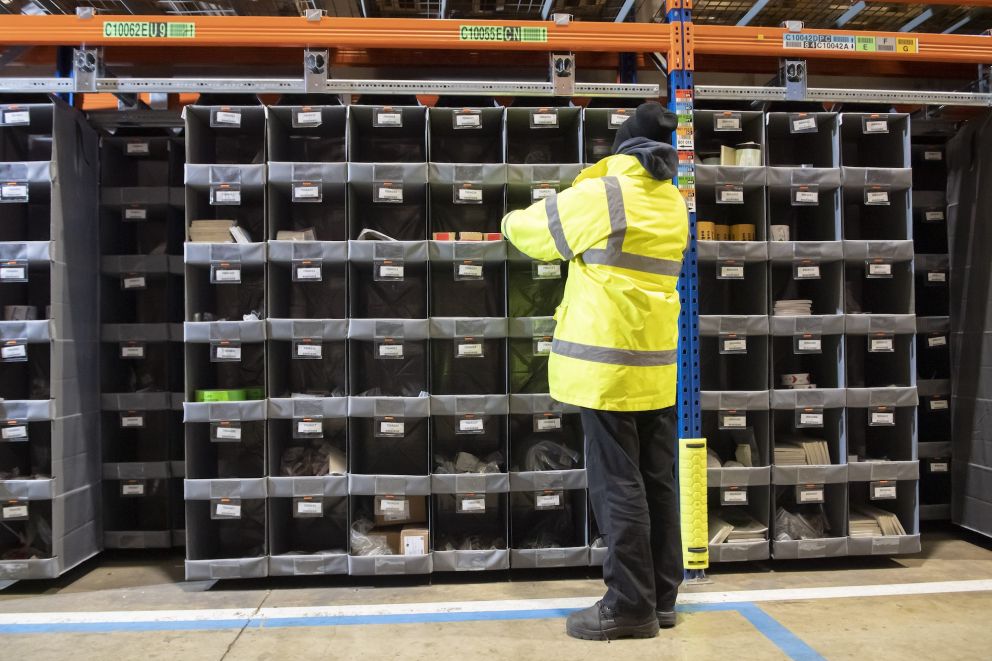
<point x="660" y="159"/>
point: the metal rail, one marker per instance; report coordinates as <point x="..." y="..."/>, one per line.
<point x="911" y="97"/>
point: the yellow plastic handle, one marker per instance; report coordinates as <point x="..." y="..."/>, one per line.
<point x="692" y="500"/>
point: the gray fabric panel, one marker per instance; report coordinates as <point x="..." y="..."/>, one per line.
<point x="32" y="410"/>
<point x="933" y="324"/>
<point x="805" y="549"/>
<point x="790" y="475"/>
<point x="868" y="397"/>
<point x="221" y="411"/>
<point x="494" y="560"/>
<point x="405" y="173"/>
<point x="297" y="329"/>
<point x="743" y="400"/>
<point x="739" y="551"/>
<point x="898" y="179"/>
<point x="328" y="486"/>
<point x="529" y="327"/>
<point x="327" y="252"/>
<point x="27" y="489"/>
<point x="785" y="177"/>
<point x="370" y="407"/>
<point x="894" y="545"/>
<point x="487" y="327"/>
<point x="544" y="558"/>
<point x="137" y="539"/>
<point x="248" y="489"/>
<point x="928" y="387"/>
<point x="867" y="471"/>
<point x="746" y="251"/>
<point x="390" y="565"/>
<point x="32" y="331"/>
<point x="370" y="329"/>
<point x="32" y="251"/>
<point x="139" y="401"/>
<point x="328" y="173"/>
<point x="208" y="331"/>
<point x="308" y="565"/>
<point x="154" y="470"/>
<point x="209" y="570"/>
<point x="203" y="176"/>
<point x="826" y="324"/>
<point x="712" y="175"/>
<point x="899" y="251"/>
<point x="149" y="196"/>
<point x="564" y="174"/>
<point x="120" y="264"/>
<point x="450" y="251"/>
<point x="863" y="324"/>
<point x="828" y="398"/>
<point x="710" y="325"/>
<point x="288" y="408"/>
<point x="136" y="333"/>
<point x="203" y="254"/>
<point x="493" y="174"/>
<point x="19" y="570"/>
<point x="738" y="477"/>
<point x="541" y="480"/>
<point x="470" y="483"/>
<point x="461" y="404"/>
<point x="389" y="485"/>
<point x="789" y="251"/>
<point x="369" y="251"/>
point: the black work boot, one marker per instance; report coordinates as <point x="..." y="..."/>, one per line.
<point x="666" y="619"/>
<point x="601" y="623"/>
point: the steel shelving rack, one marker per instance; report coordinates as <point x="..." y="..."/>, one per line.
<point x="684" y="47"/>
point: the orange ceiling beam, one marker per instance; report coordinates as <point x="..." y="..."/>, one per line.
<point x="285" y="32"/>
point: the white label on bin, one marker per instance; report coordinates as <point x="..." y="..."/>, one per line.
<point x="414" y="545"/>
<point x="939" y="341"/>
<point x="728" y="123"/>
<point x="470" y="194"/>
<point x="229" y="433"/>
<point x="229" y="353"/>
<point x="549" y="270"/>
<point x="470" y="270"/>
<point x="877" y="197"/>
<point x="391" y="350"/>
<point x="226" y="117"/>
<point x="17" y="117"/>
<point x="12" y="273"/>
<point x="808" y="271"/>
<point x="618" y="118"/>
<point x="810" y="345"/>
<point x="471" y="424"/>
<point x="310" y="507"/>
<point x="390" y="193"/>
<point x="877" y="126"/>
<point x="308" y="273"/>
<point x="804" y="124"/>
<point x="731" y="272"/>
<point x="883" y="418"/>
<point x="735" y="345"/>
<point x="132" y="489"/>
<point x="133" y="352"/>
<point x="227" y="275"/>
<point x="14" y="191"/>
<point x="137" y="148"/>
<point x="807" y="196"/>
<point x="468" y="119"/>
<point x="934" y="215"/>
<point x="936" y="276"/>
<point x="933" y="156"/>
<point x="811" y="419"/>
<point x="473" y="504"/>
<point x="135" y="282"/>
<point x="545" y="118"/>
<point x="311" y="117"/>
<point x="14" y="351"/>
<point x="938" y="404"/>
<point x="735" y="495"/>
<point x="542" y="193"/>
<point x="393" y="428"/>
<point x="544" y="346"/>
<point x="228" y="196"/>
<point x="18" y="431"/>
<point x="228" y="510"/>
<point x="15" y="511"/>
<point x="390" y="271"/>
<point x="309" y="427"/>
<point x="306" y="192"/>
<point x="470" y="349"/>
<point x="134" y="421"/>
<point x="392" y="504"/>
<point x="135" y="214"/>
<point x="811" y="495"/>
<point x="735" y="196"/>
<point x="543" y="501"/>
<point x="389" y="119"/>
<point x="884" y="492"/>
<point x="735" y="421"/>
<point x="939" y="467"/>
<point x="310" y="350"/>
<point x="883" y="268"/>
<point x="881" y="344"/>
<point x="548" y="424"/>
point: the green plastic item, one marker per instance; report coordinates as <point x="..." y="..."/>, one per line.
<point x="239" y="395"/>
<point x="255" y="393"/>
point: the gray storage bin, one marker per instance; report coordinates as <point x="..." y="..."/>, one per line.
<point x="307" y="280"/>
<point x="933" y="358"/>
<point x="389" y="445"/>
<point x="817" y="414"/>
<point x="308" y="532"/>
<point x="545" y="435"/>
<point x="728" y="195"/>
<point x="388" y="279"/>
<point x="307" y="357"/>
<point x="136" y="505"/>
<point x="140" y="427"/>
<point x="528" y="349"/>
<point x="304" y="459"/>
<point x="31" y="195"/>
<point x="934" y="412"/>
<point x="468" y="356"/>
<point x="466" y="135"/>
<point x="469" y="531"/>
<point x="554" y="536"/>
<point x="228" y="542"/>
<point x="718" y="128"/>
<point x="241" y="347"/>
<point x="225" y="440"/>
<point x="387" y="134"/>
<point x="733" y="277"/>
<point x="743" y="366"/>
<point x="875" y="140"/>
<point x="803" y="139"/>
<point x="881" y="424"/>
<point x="307" y="134"/>
<point x="390" y="565"/>
<point x="879" y="277"/>
<point x="793" y="544"/>
<point x="141" y="289"/>
<point x="308" y="196"/>
<point x="808" y="270"/>
<point x="932" y="285"/>
<point x="534" y="288"/>
<point x="468" y="278"/>
<point x="536" y="136"/>
<point x="807" y="201"/>
<point x="388" y="357"/>
<point x="877" y="204"/>
<point x="466" y="197"/>
<point x="227" y="192"/>
<point x="881" y="350"/>
<point x="599" y="131"/>
<point x="757" y="506"/>
<point x="531" y="184"/>
<point x="225" y="134"/>
<point x="475" y="425"/>
<point x="731" y="419"/>
<point x="905" y="506"/>
<point x="808" y="345"/>
<point x="224" y="281"/>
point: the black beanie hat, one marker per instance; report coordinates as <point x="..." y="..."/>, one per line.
<point x="651" y="120"/>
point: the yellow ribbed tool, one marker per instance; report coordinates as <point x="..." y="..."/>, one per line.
<point x="692" y="502"/>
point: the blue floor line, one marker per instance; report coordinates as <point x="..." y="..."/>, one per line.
<point x="774" y="631"/>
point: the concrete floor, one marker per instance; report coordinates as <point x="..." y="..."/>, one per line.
<point x="774" y="625"/>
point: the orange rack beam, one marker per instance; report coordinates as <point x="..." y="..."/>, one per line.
<point x="767" y="42"/>
<point x="393" y="33"/>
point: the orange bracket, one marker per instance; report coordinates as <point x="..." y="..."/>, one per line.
<point x="675" y="53"/>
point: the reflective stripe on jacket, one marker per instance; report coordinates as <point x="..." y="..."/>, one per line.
<point x="624" y="231"/>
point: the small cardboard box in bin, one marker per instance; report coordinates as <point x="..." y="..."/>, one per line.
<point x="396" y="510"/>
<point x="414" y="540"/>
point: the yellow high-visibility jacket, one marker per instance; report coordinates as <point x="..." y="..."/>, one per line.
<point x="624" y="228"/>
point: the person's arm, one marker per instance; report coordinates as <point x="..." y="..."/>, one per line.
<point x="561" y="227"/>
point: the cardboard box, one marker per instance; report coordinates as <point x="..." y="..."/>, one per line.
<point x="470" y="236"/>
<point x="444" y="236"/>
<point x="391" y="536"/>
<point x="415" y="541"/>
<point x="413" y="510"/>
<point x="493" y="236"/>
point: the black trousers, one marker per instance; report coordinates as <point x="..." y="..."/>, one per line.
<point x="630" y="462"/>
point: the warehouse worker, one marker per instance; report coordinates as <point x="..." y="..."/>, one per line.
<point x="624" y="227"/>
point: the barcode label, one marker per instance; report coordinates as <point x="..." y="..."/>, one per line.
<point x="17" y="117"/>
<point x="12" y="273"/>
<point x="617" y="119"/>
<point x="135" y="214"/>
<point x="308" y="273"/>
<point x="936" y="276"/>
<point x="466" y="120"/>
<point x="14" y="351"/>
<point x="876" y="126"/>
<point x="310" y="350"/>
<point x="393" y="428"/>
<point x="132" y="489"/>
<point x="471" y="424"/>
<point x="728" y="123"/>
<point x="227" y="196"/>
<point x="15" y="511"/>
<point x="228" y="433"/>
<point x="548" y="423"/>
<point x="542" y="193"/>
<point x="938" y="405"/>
<point x="881" y="345"/>
<point x="877" y="197"/>
<point x="545" y="501"/>
<point x="228" y="510"/>
<point x="18" y="431"/>
<point x="473" y="504"/>
<point x="390" y="271"/>
<point x="939" y="341"/>
<point x="309" y="507"/>
<point x="311" y="117"/>
<point x="470" y="194"/>
<point x="934" y="216"/>
<point x="470" y="270"/>
<point x="810" y="345"/>
<point x="808" y="197"/>
<point x="808" y="271"/>
<point x="135" y="282"/>
<point x="389" y="119"/>
<point x="735" y="421"/>
<point x="883" y="418"/>
<point x="474" y="349"/>
<point x="132" y="352"/>
<point x="732" y="196"/>
<point x="811" y="419"/>
<point x="132" y="421"/>
<point x="804" y="124"/>
<point x="229" y="353"/>
<point x="549" y="270"/>
<point x="135" y="148"/>
<point x="14" y="191"/>
<point x="933" y="156"/>
<point x="392" y="505"/>
<point x="306" y="192"/>
<point x="227" y="117"/>
<point x="545" y="118"/>
<point x="309" y="427"/>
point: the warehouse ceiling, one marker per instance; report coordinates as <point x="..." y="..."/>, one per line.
<point x="968" y="17"/>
